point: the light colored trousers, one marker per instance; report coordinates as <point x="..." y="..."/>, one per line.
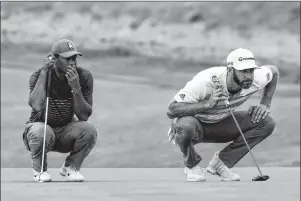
<point x="78" y="137"/>
<point x="189" y="131"/>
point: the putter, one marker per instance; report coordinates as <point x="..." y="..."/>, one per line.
<point x="46" y="116"/>
<point x="260" y="177"/>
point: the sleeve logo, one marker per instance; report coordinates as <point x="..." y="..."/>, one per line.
<point x="268" y="76"/>
<point x="182" y="96"/>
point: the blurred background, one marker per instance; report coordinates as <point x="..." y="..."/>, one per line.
<point x="141" y="54"/>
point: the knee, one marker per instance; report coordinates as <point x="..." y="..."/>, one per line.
<point x="185" y="129"/>
<point x="35" y="136"/>
<point x="89" y="131"/>
<point x="269" y="124"/>
<point x="36" y="131"/>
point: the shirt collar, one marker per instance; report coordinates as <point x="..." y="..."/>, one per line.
<point x="223" y="80"/>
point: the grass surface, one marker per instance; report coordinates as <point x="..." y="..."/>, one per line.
<point x="151" y="184"/>
<point x="130" y="102"/>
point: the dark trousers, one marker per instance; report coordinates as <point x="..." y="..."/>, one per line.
<point x="78" y="137"/>
<point x="190" y="131"/>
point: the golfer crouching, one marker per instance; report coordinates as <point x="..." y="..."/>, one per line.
<point x="200" y="115"/>
<point x="69" y="107"/>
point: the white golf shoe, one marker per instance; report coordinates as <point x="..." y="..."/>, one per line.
<point x="41" y="177"/>
<point x="71" y="174"/>
<point x="195" y="174"/>
<point x="217" y="167"/>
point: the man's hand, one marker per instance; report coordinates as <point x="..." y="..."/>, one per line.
<point x="49" y="63"/>
<point x="72" y="77"/>
<point x="217" y="95"/>
<point x="258" y="112"/>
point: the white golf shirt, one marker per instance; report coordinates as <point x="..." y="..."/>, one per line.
<point x="201" y="87"/>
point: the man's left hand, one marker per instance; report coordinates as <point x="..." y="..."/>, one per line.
<point x="73" y="79"/>
<point x="258" y="112"/>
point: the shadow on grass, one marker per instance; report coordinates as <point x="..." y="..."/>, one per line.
<point x="124" y="181"/>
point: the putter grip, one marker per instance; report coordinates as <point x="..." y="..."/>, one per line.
<point x="48" y="82"/>
<point x="227" y="103"/>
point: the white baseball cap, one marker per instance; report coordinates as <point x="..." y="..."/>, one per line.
<point x="241" y="59"/>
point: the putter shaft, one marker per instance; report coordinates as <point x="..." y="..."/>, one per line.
<point x="44" y="140"/>
<point x="227" y="105"/>
<point x="45" y="126"/>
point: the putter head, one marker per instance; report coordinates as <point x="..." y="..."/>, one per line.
<point x="261" y="178"/>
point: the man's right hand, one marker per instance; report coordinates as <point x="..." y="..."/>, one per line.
<point x="217" y="95"/>
<point x="48" y="65"/>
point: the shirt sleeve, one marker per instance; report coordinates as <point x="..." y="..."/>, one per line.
<point x="33" y="80"/>
<point x="262" y="76"/>
<point x="87" y="89"/>
<point x="194" y="91"/>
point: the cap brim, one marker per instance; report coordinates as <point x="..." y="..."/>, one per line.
<point x="70" y="54"/>
<point x="245" y="66"/>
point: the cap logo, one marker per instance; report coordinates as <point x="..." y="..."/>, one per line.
<point x="70" y="46"/>
<point x="245" y="58"/>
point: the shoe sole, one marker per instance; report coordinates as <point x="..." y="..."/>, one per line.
<point x="40" y="181"/>
<point x="230" y="180"/>
<point x="196" y="180"/>
<point x="36" y="180"/>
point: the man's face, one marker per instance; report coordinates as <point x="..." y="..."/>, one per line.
<point x="244" y="78"/>
<point x="62" y="63"/>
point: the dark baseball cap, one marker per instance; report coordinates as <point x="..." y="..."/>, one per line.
<point x="65" y="48"/>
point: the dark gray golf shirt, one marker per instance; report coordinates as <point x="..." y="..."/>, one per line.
<point x="61" y="102"/>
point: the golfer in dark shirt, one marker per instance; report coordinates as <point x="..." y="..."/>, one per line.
<point x="70" y="106"/>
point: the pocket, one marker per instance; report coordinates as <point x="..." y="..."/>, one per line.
<point x="27" y="126"/>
